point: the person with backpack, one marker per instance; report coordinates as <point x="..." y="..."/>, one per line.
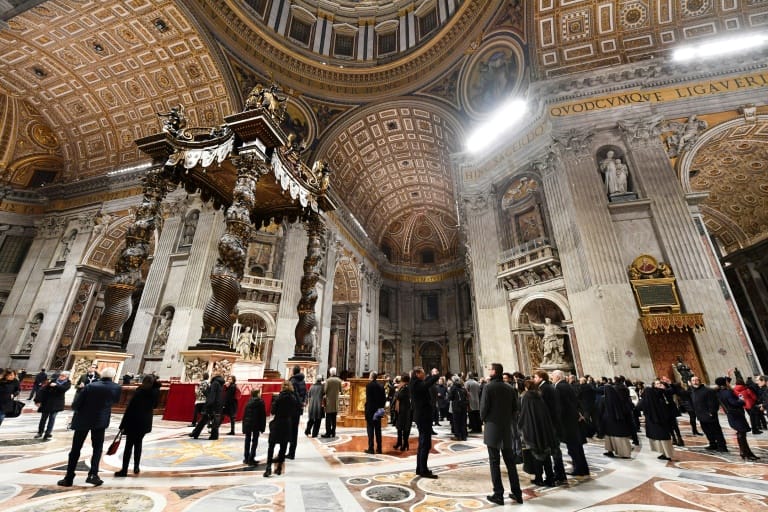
<point x="300" y="390"/>
<point x="254" y="423"/>
<point x="459" y="399"/>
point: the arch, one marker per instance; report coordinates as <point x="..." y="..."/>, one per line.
<point x="431" y="355"/>
<point x="104" y="250"/>
<point x="346" y="283"/>
<point x="553" y="297"/>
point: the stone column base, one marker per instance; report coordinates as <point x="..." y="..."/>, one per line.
<point x="103" y="359"/>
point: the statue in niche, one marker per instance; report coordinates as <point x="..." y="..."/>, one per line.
<point x="616" y="173"/>
<point x="245" y="343"/>
<point x="553" y="343"/>
<point x="32" y="332"/>
<point x="160" y="338"/>
<point x="190" y="227"/>
<point x="66" y="245"/>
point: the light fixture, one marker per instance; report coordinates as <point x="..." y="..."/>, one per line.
<point x="505" y="117"/>
<point x="716" y="48"/>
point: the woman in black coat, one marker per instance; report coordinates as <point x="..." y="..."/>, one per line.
<point x="283" y="409"/>
<point x="9" y="390"/>
<point x="656" y="410"/>
<point x="254" y="423"/>
<point x="459" y="400"/>
<point x="403" y="417"/>
<point x="734" y="410"/>
<point x="230" y="403"/>
<point x="137" y="421"/>
<point x="538" y="433"/>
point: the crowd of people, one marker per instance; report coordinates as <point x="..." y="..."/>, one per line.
<point x="523" y="419"/>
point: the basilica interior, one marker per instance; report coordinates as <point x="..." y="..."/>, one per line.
<point x="373" y="185"/>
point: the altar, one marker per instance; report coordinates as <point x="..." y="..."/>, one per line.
<point x="353" y="415"/>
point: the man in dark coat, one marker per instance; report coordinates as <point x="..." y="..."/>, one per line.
<point x="87" y="378"/>
<point x="375" y="399"/>
<point x="214" y="402"/>
<point x="706" y="405"/>
<point x="498" y="411"/>
<point x="422" y="414"/>
<point x="570" y="417"/>
<point x="300" y="388"/>
<point x="40" y="380"/>
<point x="51" y="402"/>
<point x="93" y="406"/>
<point x="549" y="395"/>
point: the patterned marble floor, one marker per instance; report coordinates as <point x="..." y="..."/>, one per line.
<point x="182" y="474"/>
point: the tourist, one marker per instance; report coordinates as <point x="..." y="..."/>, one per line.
<point x="300" y="388"/>
<point x="473" y="389"/>
<point x="538" y="435"/>
<point x="571" y="418"/>
<point x="284" y="411"/>
<point x="459" y="404"/>
<point x="9" y="390"/>
<point x="230" y="405"/>
<point x="93" y="405"/>
<point x="375" y="400"/>
<point x="616" y="423"/>
<point x="498" y="411"/>
<point x="403" y="416"/>
<point x="40" y="379"/>
<point x="137" y="422"/>
<point x="201" y="395"/>
<point x="212" y="411"/>
<point x="422" y="414"/>
<point x="551" y="400"/>
<point x="734" y="411"/>
<point x="332" y="390"/>
<point x="314" y="408"/>
<point x="50" y="402"/>
<point x="704" y="401"/>
<point x="254" y="423"/>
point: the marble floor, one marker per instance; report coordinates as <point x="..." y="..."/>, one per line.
<point x="182" y="474"/>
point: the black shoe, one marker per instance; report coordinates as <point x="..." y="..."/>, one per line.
<point x="64" y="482"/>
<point x="434" y="433"/>
<point x="325" y="436"/>
<point x="193" y="425"/>
<point x="94" y="479"/>
<point x="212" y="438"/>
<point x="499" y="500"/>
<point x="517" y="496"/>
<point x="136" y="471"/>
<point x="561" y="481"/>
<point x="268" y="471"/>
<point x="370" y="451"/>
<point x="291" y="456"/>
<point x="538" y="481"/>
<point x="396" y="447"/>
<point x="38" y="435"/>
<point x="121" y="473"/>
<point x="230" y="433"/>
<point x="663" y="457"/>
<point x="427" y="474"/>
<point x="193" y="436"/>
<point x="378" y="450"/>
<point x="609" y="454"/>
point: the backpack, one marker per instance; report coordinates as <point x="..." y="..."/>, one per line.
<point x="463" y="397"/>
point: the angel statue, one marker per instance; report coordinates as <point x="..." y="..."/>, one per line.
<point x="685" y="135"/>
<point x="553" y="353"/>
<point x="175" y="120"/>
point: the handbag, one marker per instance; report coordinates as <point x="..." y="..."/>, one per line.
<point x="115" y="443"/>
<point x="15" y="411"/>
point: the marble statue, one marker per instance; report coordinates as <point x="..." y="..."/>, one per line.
<point x="160" y="338"/>
<point x="684" y="135"/>
<point x="615" y="172"/>
<point x="553" y="349"/>
<point x="194" y="369"/>
<point x="245" y="343"/>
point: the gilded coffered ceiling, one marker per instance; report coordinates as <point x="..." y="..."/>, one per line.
<point x="96" y="73"/>
<point x="572" y="36"/>
<point x="733" y="167"/>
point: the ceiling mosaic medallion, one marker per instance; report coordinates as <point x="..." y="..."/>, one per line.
<point x="492" y="76"/>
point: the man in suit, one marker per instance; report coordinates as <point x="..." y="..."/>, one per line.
<point x="331" y="390"/>
<point x="706" y="404"/>
<point x="93" y="406"/>
<point x="570" y="418"/>
<point x="40" y="379"/>
<point x="473" y="390"/>
<point x="50" y="399"/>
<point x="422" y="413"/>
<point x="548" y="393"/>
<point x="375" y="399"/>
<point x="498" y="410"/>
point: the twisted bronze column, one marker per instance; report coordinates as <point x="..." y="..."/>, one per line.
<point x="233" y="248"/>
<point x="305" y="337"/>
<point x="117" y="297"/>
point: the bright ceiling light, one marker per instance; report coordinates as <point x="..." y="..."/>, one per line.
<point x="504" y="118"/>
<point x="720" y="47"/>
